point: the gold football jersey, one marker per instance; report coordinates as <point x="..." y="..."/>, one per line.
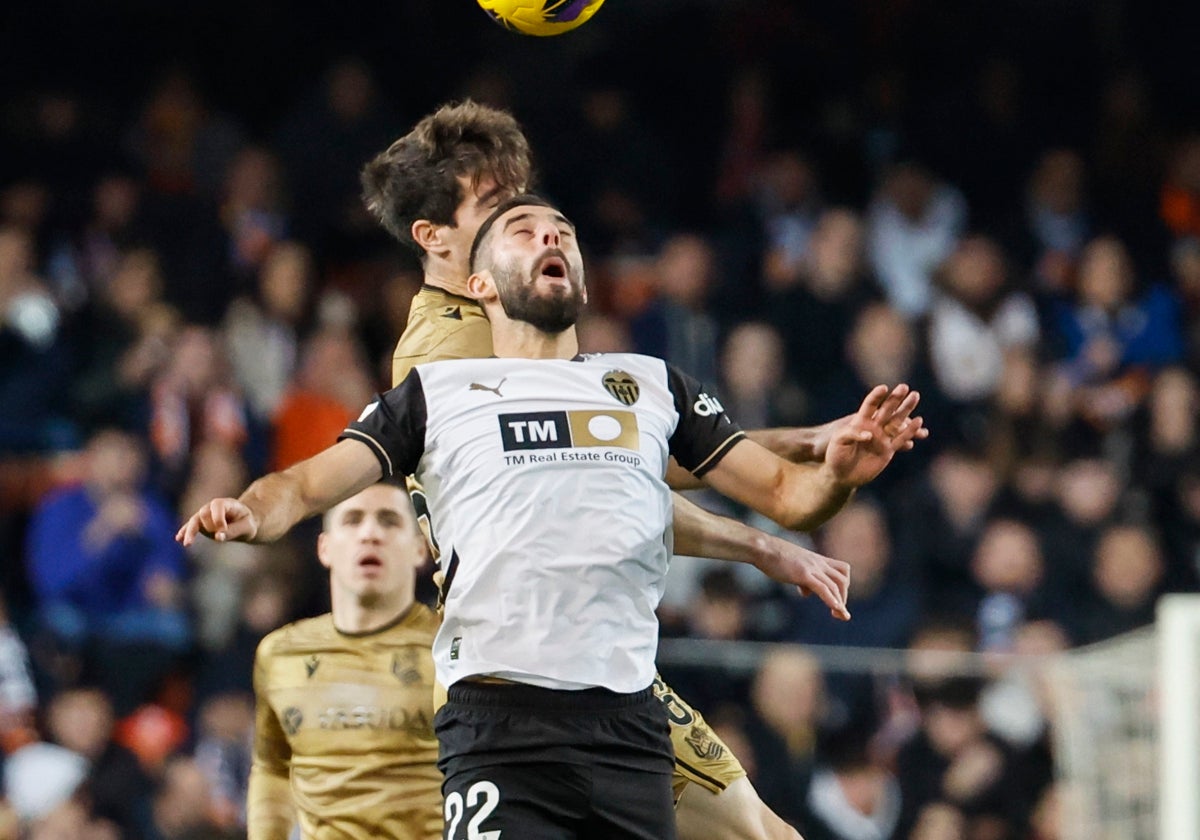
<point x="349" y="719"/>
<point x="441" y="326"/>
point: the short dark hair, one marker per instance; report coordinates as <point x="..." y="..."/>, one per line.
<point x="417" y="176"/>
<point x="522" y="200"/>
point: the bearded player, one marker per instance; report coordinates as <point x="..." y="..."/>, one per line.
<point x="432" y="189"/>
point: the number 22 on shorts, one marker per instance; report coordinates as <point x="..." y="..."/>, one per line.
<point x="490" y="794"/>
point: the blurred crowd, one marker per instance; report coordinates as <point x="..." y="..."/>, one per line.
<point x="193" y="299"/>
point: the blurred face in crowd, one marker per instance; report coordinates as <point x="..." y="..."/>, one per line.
<point x="114" y="202"/>
<point x="1173" y="406"/>
<point x="371" y="545"/>
<point x="16" y="257"/>
<point x="752" y="361"/>
<point x="116" y="463"/>
<point x="859" y="531"/>
<point x="1105" y="274"/>
<point x="836" y="252"/>
<point x="81" y="720"/>
<point x="1008" y="558"/>
<point x="284" y="280"/>
<point x="136" y="283"/>
<point x="882" y="346"/>
<point x="910" y="188"/>
<point x="1128" y="566"/>
<point x="686" y="265"/>
<point x="975" y="271"/>
<point x="789" y="690"/>
<point x="1058" y="182"/>
<point x="1088" y="490"/>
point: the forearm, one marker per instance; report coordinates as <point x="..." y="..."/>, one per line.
<point x="699" y="533"/>
<point x="798" y="444"/>
<point x="277" y="502"/>
<point x="807" y="497"/>
<point x="269" y="810"/>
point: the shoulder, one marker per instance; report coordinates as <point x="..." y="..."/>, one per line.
<point x="442" y="326"/>
<point x="423" y="619"/>
<point x="299" y="634"/>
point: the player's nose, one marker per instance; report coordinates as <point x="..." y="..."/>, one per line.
<point x="548" y="234"/>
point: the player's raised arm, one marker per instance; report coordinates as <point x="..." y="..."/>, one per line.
<point x="702" y="534"/>
<point x="274" y="503"/>
<point x="802" y="496"/>
<point x="808" y="444"/>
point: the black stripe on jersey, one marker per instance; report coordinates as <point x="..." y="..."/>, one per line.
<point x="689" y="769"/>
<point x="451" y="571"/>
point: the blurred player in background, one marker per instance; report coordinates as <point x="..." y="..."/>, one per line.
<point x="343" y="740"/>
<point x="431" y="190"/>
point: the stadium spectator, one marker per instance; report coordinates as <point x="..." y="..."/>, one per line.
<point x="329" y="388"/>
<point x="1008" y="569"/>
<point x="18" y="696"/>
<point x="1055" y="223"/>
<point x="814" y="306"/>
<point x="123" y="337"/>
<point x="975" y="322"/>
<point x="263" y="330"/>
<point x="223" y="750"/>
<point x="34" y="360"/>
<point x="788" y="703"/>
<point x="104" y="564"/>
<point x="182" y="806"/>
<point x="1111" y="337"/>
<point x="1127" y="573"/>
<point x="192" y="403"/>
<point x="677" y="325"/>
<point x="912" y="225"/>
<point x="81" y="719"/>
<point x="753" y="380"/>
<point x="850" y="795"/>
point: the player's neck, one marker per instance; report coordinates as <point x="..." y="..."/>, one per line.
<point x="518" y="340"/>
<point x="445" y="277"/>
<point x="352" y="615"/>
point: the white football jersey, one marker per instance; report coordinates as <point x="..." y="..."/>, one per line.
<point x="545" y="479"/>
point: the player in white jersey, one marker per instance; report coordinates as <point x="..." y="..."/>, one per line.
<point x="545" y="473"/>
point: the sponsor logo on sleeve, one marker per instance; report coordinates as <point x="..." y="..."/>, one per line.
<point x="707" y="406"/>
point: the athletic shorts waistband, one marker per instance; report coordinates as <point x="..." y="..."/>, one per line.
<point x="535" y="697"/>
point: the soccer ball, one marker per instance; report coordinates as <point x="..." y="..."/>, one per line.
<point x="541" y="17"/>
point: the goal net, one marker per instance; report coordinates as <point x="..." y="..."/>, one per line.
<point x="1126" y="720"/>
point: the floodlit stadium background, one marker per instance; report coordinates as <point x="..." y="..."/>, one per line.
<point x="997" y="203"/>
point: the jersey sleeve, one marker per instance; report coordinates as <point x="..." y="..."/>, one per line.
<point x="269" y="810"/>
<point x="704" y="433"/>
<point x="393" y="426"/>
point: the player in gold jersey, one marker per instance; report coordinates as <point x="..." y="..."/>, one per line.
<point x="432" y="189"/>
<point x="344" y="743"/>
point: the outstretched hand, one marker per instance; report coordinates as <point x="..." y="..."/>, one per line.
<point x="868" y="439"/>
<point x="810" y="573"/>
<point x="901" y="406"/>
<point x="224" y="520"/>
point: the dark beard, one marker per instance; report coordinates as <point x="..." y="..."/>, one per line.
<point x="552" y="313"/>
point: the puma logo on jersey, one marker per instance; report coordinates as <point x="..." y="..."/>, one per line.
<point x="707" y="406"/>
<point x="475" y="386"/>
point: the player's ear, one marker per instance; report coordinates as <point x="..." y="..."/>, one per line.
<point x="428" y="236"/>
<point x="321" y="550"/>
<point x="481" y="285"/>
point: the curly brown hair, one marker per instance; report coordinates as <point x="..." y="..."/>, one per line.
<point x="417" y="177"/>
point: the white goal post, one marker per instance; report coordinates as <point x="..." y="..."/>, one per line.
<point x="1179" y="716"/>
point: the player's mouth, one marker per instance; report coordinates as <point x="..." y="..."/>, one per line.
<point x="553" y="267"/>
<point x="370" y="561"/>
